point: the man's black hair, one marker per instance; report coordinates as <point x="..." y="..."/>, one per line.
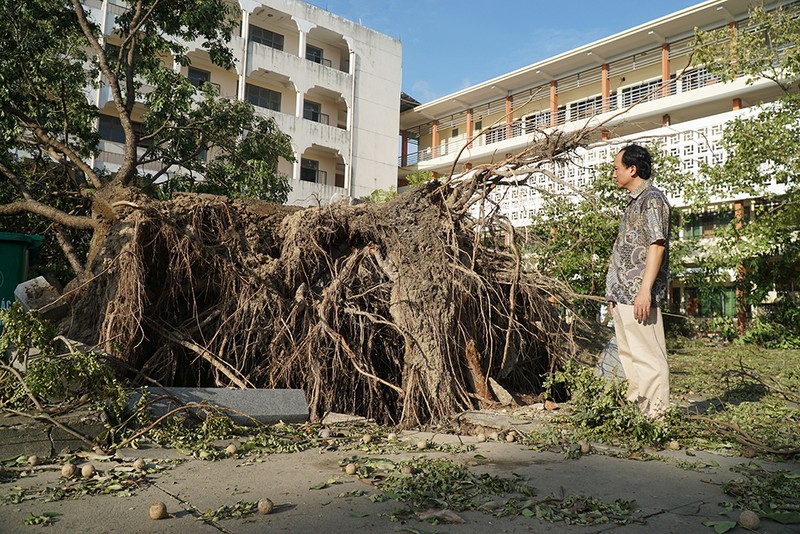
<point x="639" y="156"/>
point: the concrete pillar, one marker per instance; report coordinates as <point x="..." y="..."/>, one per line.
<point x="736" y="104"/>
<point x="509" y="116"/>
<point x="665" y="120"/>
<point x="245" y="59"/>
<point x="435" y="139"/>
<point x="665" y="70"/>
<point x="403" y="148"/>
<point x="470" y="125"/>
<point x="298" y="107"/>
<point x="605" y="88"/>
<point x="553" y="103"/>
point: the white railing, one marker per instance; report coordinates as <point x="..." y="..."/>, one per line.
<point x="573" y="111"/>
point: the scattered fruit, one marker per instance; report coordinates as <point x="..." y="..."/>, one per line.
<point x="350" y="469"/>
<point x="88" y="471"/>
<point x="585" y="447"/>
<point x="231" y="449"/>
<point x="422" y="445"/>
<point x="494" y="436"/>
<point x="392" y="436"/>
<point x="33" y="460"/>
<point x="265" y="506"/>
<point x="366" y="438"/>
<point x="139" y="464"/>
<point x="69" y="470"/>
<point x="481" y="438"/>
<point x="158" y="510"/>
<point x="674" y="445"/>
<point x="511" y="437"/>
<point x="749" y="520"/>
<point x="407" y="470"/>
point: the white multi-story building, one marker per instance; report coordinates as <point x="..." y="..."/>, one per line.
<point x="683" y="106"/>
<point x="331" y="84"/>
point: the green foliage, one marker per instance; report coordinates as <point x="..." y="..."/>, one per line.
<point x="441" y="483"/>
<point x="761" y="155"/>
<point x="51" y="377"/>
<point x="600" y="407"/>
<point x="49" y="129"/>
<point x="24" y="331"/>
<point x="415" y="179"/>
<point x="772" y="495"/>
<point x="381" y="195"/>
<point x="572" y="237"/>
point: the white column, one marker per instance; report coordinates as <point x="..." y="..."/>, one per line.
<point x="245" y="35"/>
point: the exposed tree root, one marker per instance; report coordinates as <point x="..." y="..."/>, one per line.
<point x="400" y="311"/>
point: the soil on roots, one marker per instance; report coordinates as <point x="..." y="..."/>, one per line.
<point x="400" y="311"/>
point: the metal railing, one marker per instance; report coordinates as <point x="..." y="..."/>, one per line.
<point x="313" y="175"/>
<point x="581" y="110"/>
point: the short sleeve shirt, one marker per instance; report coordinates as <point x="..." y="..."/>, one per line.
<point x="645" y="221"/>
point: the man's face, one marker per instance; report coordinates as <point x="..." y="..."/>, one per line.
<point x="623" y="176"/>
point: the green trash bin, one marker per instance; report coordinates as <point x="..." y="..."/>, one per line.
<point x="15" y="250"/>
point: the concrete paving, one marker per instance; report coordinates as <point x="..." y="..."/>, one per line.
<point x="675" y="494"/>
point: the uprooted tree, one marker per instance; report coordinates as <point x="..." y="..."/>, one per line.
<point x="406" y="311"/>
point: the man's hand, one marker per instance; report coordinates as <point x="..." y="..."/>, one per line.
<point x="641" y="306"/>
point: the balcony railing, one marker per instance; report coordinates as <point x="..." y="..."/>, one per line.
<point x="573" y="111"/>
<point x="313" y="175"/>
<point x="316" y="116"/>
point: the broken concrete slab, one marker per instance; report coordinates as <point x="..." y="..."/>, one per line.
<point x="39" y="295"/>
<point x="26" y="436"/>
<point x="262" y="405"/>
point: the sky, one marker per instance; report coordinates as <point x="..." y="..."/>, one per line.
<point x="449" y="45"/>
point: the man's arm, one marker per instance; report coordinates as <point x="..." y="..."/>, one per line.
<point x="652" y="264"/>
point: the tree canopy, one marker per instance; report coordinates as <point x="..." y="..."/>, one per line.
<point x="53" y="56"/>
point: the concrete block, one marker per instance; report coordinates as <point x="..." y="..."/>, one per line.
<point x="262" y="405"/>
<point x="25" y="436"/>
<point x="39" y="295"/>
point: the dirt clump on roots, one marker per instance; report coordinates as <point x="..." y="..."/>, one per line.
<point x="399" y="311"/>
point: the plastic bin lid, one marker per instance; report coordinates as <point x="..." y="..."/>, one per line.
<point x="34" y="241"/>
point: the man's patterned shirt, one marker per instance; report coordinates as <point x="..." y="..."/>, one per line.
<point x="646" y="220"/>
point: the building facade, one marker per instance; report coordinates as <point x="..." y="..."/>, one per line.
<point x="639" y="85"/>
<point x="329" y="83"/>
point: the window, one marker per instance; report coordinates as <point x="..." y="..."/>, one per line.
<point x="110" y="129"/>
<point x="643" y="92"/>
<point x="313" y="112"/>
<point x="317" y="55"/>
<point x="198" y="77"/>
<point x="266" y="37"/>
<point x="537" y="120"/>
<point x="479" y="125"/>
<point x="262" y="97"/>
<point x="309" y="169"/>
<point x="454" y="133"/>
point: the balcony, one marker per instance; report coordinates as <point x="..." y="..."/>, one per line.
<point x="262" y="57"/>
<point x="506" y="137"/>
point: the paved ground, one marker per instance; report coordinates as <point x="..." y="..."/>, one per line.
<point x="676" y="494"/>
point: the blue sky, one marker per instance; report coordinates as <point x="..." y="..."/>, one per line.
<point x="452" y="44"/>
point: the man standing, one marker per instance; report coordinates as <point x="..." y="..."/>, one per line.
<point x="636" y="283"/>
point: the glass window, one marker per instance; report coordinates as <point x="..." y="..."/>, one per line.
<point x="262" y="97"/>
<point x="309" y="169"/>
<point x="313" y="112"/>
<point x="110" y="129"/>
<point x="198" y="76"/>
<point x="266" y="37"/>
<point x="314" y="54"/>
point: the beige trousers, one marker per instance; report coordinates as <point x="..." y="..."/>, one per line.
<point x="643" y="354"/>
